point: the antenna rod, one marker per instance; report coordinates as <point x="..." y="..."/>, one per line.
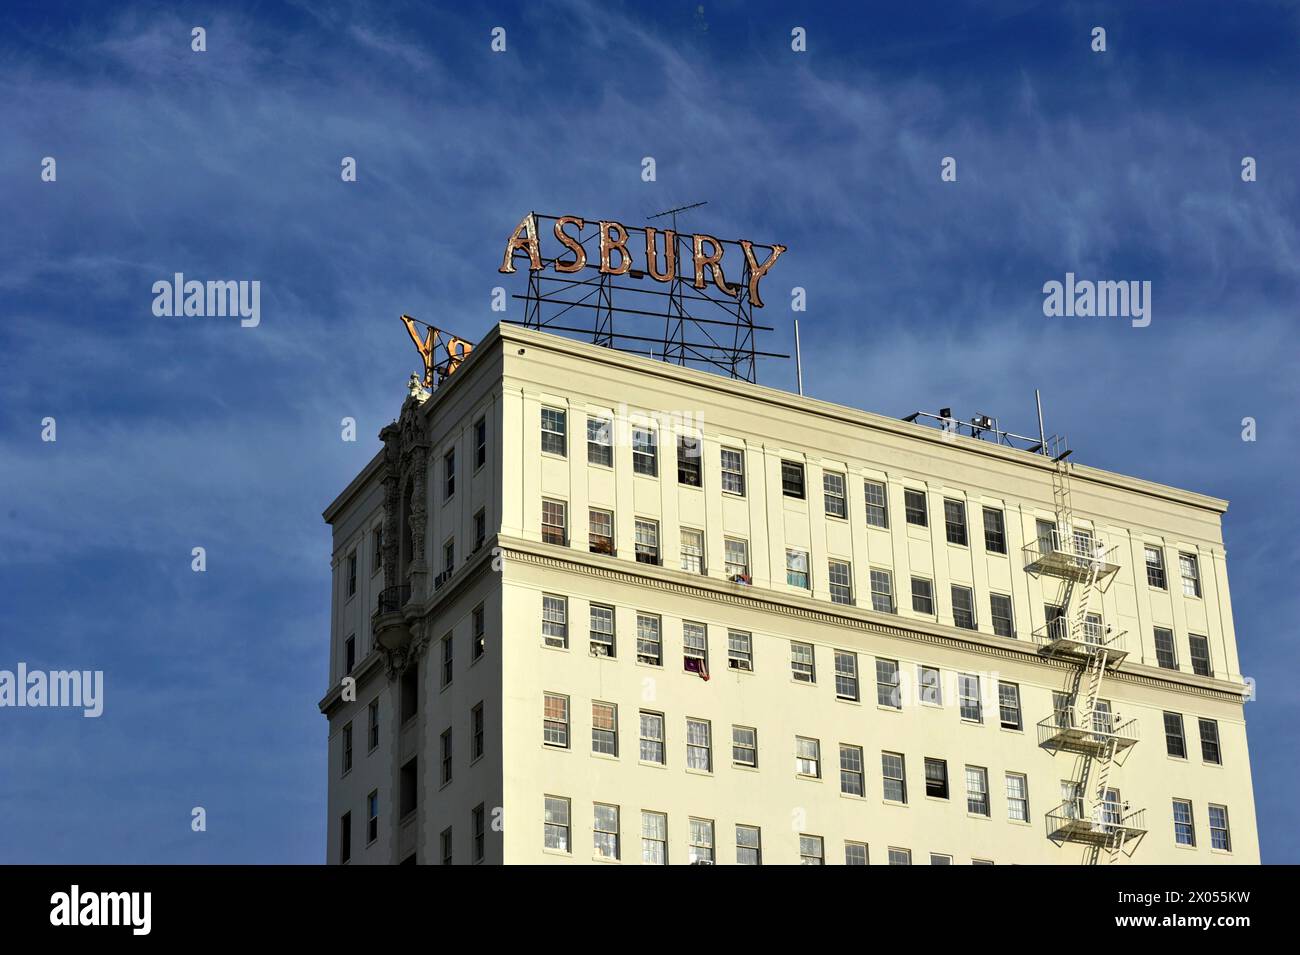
<point x="798" y="361"/>
<point x="1042" y="435"/>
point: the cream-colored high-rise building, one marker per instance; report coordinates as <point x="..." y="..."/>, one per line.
<point x="590" y="607"/>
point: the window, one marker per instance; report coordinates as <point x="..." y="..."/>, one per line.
<point x="476" y="732"/>
<point x="480" y="443"/>
<point x="604" y="728"/>
<point x="887" y="684"/>
<point x="796" y="568"/>
<point x="652" y="737"/>
<point x="922" y="596"/>
<point x="1046" y="532"/>
<point x="554" y="439"/>
<point x="882" y="591"/>
<point x="688" y="460"/>
<point x="914" y="507"/>
<point x="1155" y="567"/>
<point x="692" y="551"/>
<point x="600" y="531"/>
<point x="600" y="442"/>
<point x="1184" y="827"/>
<point x="968" y="689"/>
<point x="604" y="831"/>
<point x="700" y="849"/>
<point x="981" y="862"/>
<point x="376" y="549"/>
<point x="1200" y="647"/>
<point x="1009" y="705"/>
<point x="444" y="757"/>
<point x="699" y="745"/>
<point x="1175" y="742"/>
<point x="654" y="838"/>
<point x="649" y="643"/>
<point x="995" y="532"/>
<point x="410" y="693"/>
<point x="695" y="648"/>
<point x="807" y="757"/>
<point x="1017" y="797"/>
<point x="894" y="777"/>
<point x="347" y="748"/>
<point x="792" y="483"/>
<point x="900" y="856"/>
<point x="744" y="746"/>
<point x="601" y="631"/>
<point x="938" y="858"/>
<point x="936" y="778"/>
<point x="350" y="654"/>
<point x="1003" y="625"/>
<point x="736" y="558"/>
<point x="477" y="827"/>
<point x="749" y="845"/>
<point x="1191" y="574"/>
<point x="852" y="775"/>
<point x="1210" y="742"/>
<point x="444" y="845"/>
<point x="841" y="579"/>
<point x="555" y="620"/>
<point x="846" y="675"/>
<point x="1219" y="836"/>
<point x="931" y="687"/>
<point x="811" y="850"/>
<point x="555" y="824"/>
<point x="977" y="790"/>
<point x="352" y="573"/>
<point x="647" y="541"/>
<point x="877" y="508"/>
<point x="963" y="607"/>
<point x="478" y="637"/>
<point x="555" y="720"/>
<point x="372" y="733"/>
<point x="480" y="528"/>
<point x="449" y="474"/>
<point x="449" y="556"/>
<point x="554" y="525"/>
<point x="1166" y="654"/>
<point x="802" y="667"/>
<point x="954" y="521"/>
<point x="345" y="838"/>
<point x="733" y="471"/>
<point x="855" y="853"/>
<point x="645" y="452"/>
<point x="834" y="501"/>
<point x="740" y="650"/>
<point x="448" y="663"/>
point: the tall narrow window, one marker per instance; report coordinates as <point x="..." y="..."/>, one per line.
<point x="744" y="746"/>
<point x="448" y="661"/>
<point x="554" y="429"/>
<point x="645" y="452"/>
<point x="851" y="771"/>
<point x="480" y="443"/>
<point x="480" y="527"/>
<point x="1155" y="558"/>
<point x="807" y="757"/>
<point x="1003" y="625"/>
<point x="688" y="460"/>
<point x="1017" y="797"/>
<point x="1190" y="570"/>
<point x="893" y="775"/>
<point x="733" y="471"/>
<point x="476" y="732"/>
<point x="1210" y="751"/>
<point x="740" y="650"/>
<point x="1184" y="825"/>
<point x="846" y="675"/>
<point x="699" y="745"/>
<point x="792" y="479"/>
<point x="478" y="633"/>
<point x="352" y="573"/>
<point x="444" y="757"/>
<point x="914" y="507"/>
<point x="1009" y="705"/>
<point x="936" y="778"/>
<point x="995" y="532"/>
<point x="954" y="521"/>
<point x="802" y="666"/>
<point x="931" y="686"/>
<point x="796" y="568"/>
<point x="600" y="442"/>
<point x="604" y="728"/>
<point x="372" y="733"/>
<point x="555" y="824"/>
<point x="555" y="720"/>
<point x="922" y="596"/>
<point x="1175" y="741"/>
<point x="749" y="845"/>
<point x="834" y="500"/>
<point x="350" y="654"/>
<point x="376" y="549"/>
<point x="478" y="819"/>
<point x="977" y="790"/>
<point x="652" y="737"/>
<point x="963" y="607"/>
<point x="602" y="631"/>
<point x="692" y="551"/>
<point x="1200" y="647"/>
<point x="700" y="848"/>
<point x="647" y="541"/>
<point x="600" y="531"/>
<point x="968" y="689"/>
<point x="649" y="642"/>
<point x="877" y="505"/>
<point x="695" y="648"/>
<point x="444" y="846"/>
<point x="347" y="748"/>
<point x="654" y="838"/>
<point x="604" y="830"/>
<point x="345" y="838"/>
<point x="882" y="591"/>
<point x="736" y="556"/>
<point x="841" y="581"/>
<point x="887" y="685"/>
<point x="1220" y="838"/>
<point x="554" y="524"/>
<point x="449" y="474"/>
<point x="555" y="620"/>
<point x="1166" y="655"/>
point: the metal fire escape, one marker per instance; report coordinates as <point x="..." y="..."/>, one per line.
<point x="1082" y="722"/>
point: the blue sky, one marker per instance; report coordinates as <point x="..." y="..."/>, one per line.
<point x="175" y="433"/>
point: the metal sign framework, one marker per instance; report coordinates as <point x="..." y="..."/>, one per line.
<point x="701" y="327"/>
